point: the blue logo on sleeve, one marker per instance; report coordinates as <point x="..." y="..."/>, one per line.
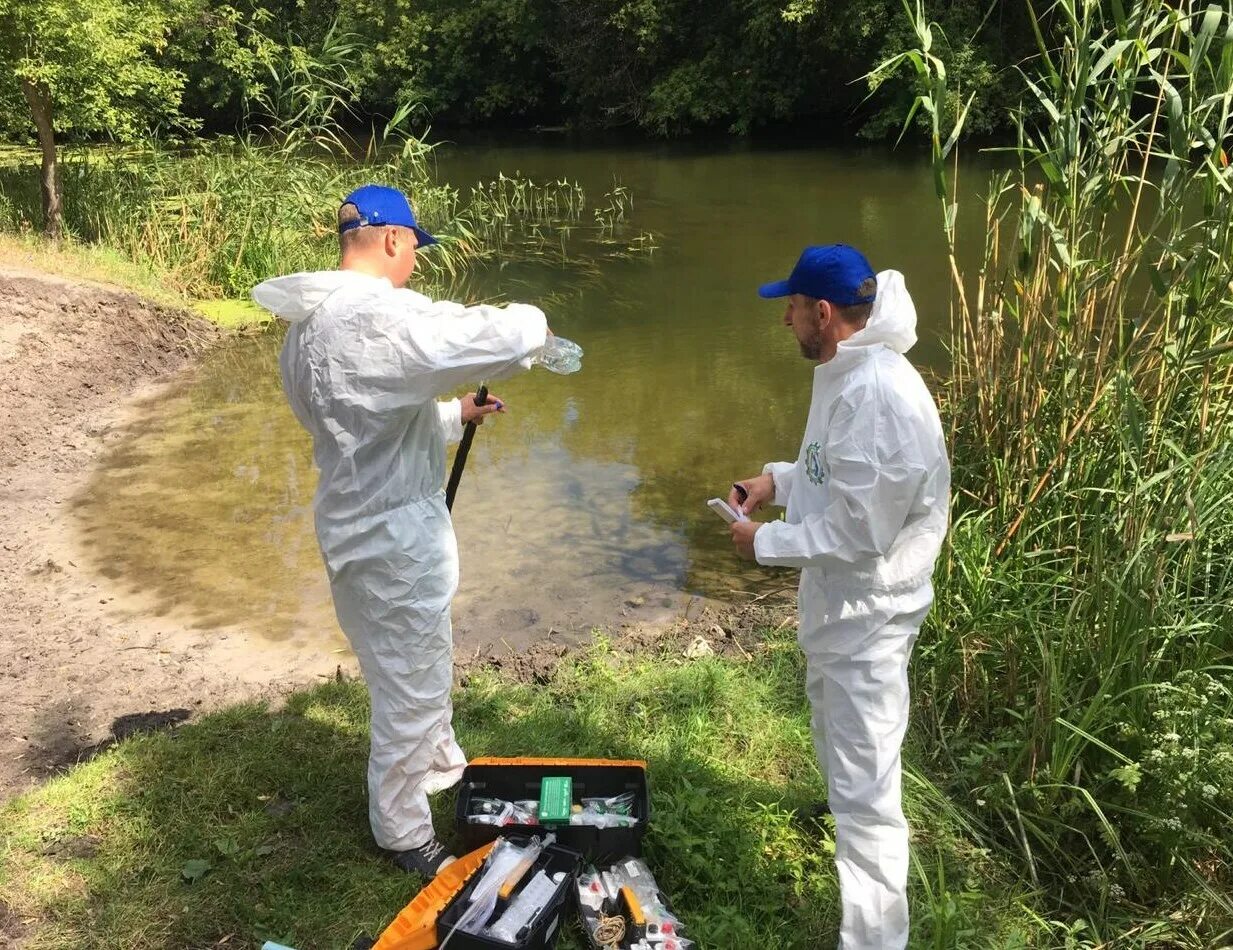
<point x="813" y="463"/>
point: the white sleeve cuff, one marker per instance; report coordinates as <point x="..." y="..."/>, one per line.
<point x="534" y="327"/>
<point x="450" y="412"/>
<point x="781" y="474"/>
<point x="764" y="544"/>
<point x="779" y="544"/>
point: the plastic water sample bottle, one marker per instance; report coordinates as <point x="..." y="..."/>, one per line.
<point x="559" y="355"/>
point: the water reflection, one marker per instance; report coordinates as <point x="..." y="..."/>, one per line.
<point x="204" y="508"/>
<point x="590" y="495"/>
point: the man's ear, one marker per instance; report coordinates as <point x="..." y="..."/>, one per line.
<point x="391" y="242"/>
<point x="826" y="313"/>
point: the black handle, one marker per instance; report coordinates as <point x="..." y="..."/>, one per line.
<point x="464" y="447"/>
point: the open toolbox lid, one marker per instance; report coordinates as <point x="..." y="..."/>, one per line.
<point x="415" y="927"/>
<point x="519" y="779"/>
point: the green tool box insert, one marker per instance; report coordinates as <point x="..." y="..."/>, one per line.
<point x="556" y="798"/>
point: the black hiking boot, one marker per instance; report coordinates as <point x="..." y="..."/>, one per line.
<point x="813" y="815"/>
<point x="429" y="859"/>
<point x="817" y="811"/>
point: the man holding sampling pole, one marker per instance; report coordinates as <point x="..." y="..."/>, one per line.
<point x="363" y="364"/>
<point x="867" y="501"/>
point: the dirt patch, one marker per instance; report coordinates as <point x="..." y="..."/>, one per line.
<point x="11" y="928"/>
<point x="733" y="632"/>
<point x="72" y="676"/>
<point x="77" y="846"/>
<point x="67" y="348"/>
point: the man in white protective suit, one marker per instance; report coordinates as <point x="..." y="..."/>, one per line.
<point x="363" y="364"/>
<point x="867" y="502"/>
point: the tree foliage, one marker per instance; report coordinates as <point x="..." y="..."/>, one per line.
<point x="666" y="67"/>
<point x="89" y="68"/>
<point x="100" y="64"/>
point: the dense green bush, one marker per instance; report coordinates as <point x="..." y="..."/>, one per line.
<point x="661" y="66"/>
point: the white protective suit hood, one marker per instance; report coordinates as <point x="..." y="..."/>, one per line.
<point x="893" y="319"/>
<point x="295" y="297"/>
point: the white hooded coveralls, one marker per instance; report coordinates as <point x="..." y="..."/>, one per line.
<point x="867" y="504"/>
<point x="362" y="366"/>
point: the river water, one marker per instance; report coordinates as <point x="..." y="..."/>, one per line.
<point x="585" y="505"/>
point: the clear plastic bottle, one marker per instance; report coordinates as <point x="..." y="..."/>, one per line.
<point x="559" y="355"/>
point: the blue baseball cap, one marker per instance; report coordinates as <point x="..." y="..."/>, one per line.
<point x="831" y="272"/>
<point x="380" y="205"/>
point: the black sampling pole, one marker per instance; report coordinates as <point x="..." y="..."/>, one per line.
<point x="464" y="446"/>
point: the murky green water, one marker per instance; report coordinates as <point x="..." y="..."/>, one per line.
<point x="591" y="493"/>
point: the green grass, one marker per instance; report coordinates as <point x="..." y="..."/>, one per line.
<point x="213" y="220"/>
<point x="199" y="227"/>
<point x="69" y="259"/>
<point x="274" y="801"/>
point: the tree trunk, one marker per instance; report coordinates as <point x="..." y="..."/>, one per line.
<point x="40" y="108"/>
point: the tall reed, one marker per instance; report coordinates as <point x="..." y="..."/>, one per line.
<point x="1077" y="687"/>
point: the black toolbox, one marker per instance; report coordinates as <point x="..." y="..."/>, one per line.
<point x="542" y="932"/>
<point x="518" y="779"/>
